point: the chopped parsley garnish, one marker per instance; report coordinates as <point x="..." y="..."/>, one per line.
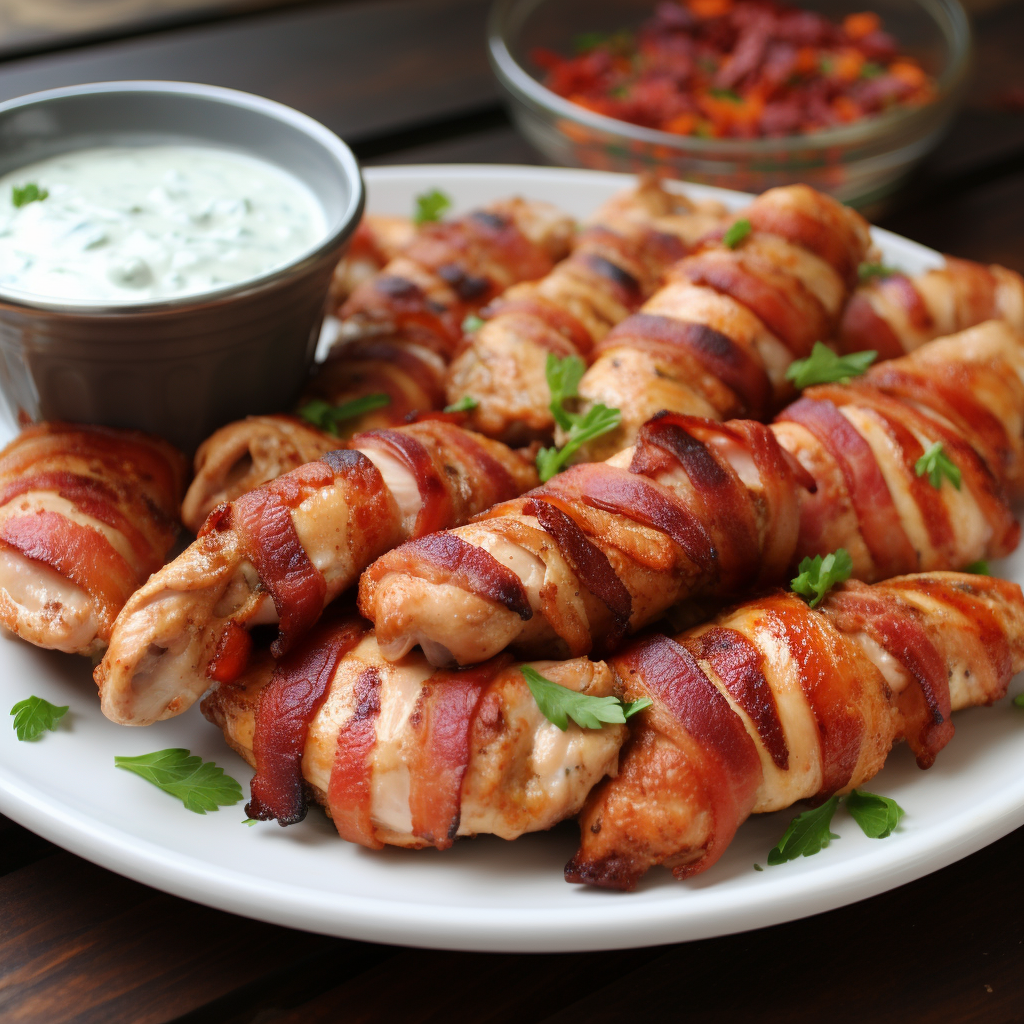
<point x="34" y="716"/>
<point x="979" y="568"/>
<point x="1018" y="701"/>
<point x="877" y="815"/>
<point x="430" y="206"/>
<point x="472" y="323"/>
<point x="558" y="704"/>
<point x="465" y="404"/>
<point x="867" y="271"/>
<point x="739" y="230"/>
<point x="327" y="417"/>
<point x="200" y="785"/>
<point x="726" y="94"/>
<point x="30" y="193"/>
<point x="936" y="464"/>
<point x="587" y="41"/>
<point x="250" y="821"/>
<point x="823" y="366"/>
<point x="869" y="69"/>
<point x="811" y="832"/>
<point x="564" y="377"/>
<point x="819" y="575"/>
<point x="808" y="833"/>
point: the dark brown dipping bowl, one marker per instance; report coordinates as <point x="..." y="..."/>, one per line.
<point x="179" y="367"/>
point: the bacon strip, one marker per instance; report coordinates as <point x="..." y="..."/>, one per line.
<point x="589" y="562"/>
<point x="79" y="554"/>
<point x="555" y="317"/>
<point x="729" y="765"/>
<point x="436" y="510"/>
<point x="727" y="507"/>
<point x="349" y="794"/>
<point x="829" y="679"/>
<point x="739" y="664"/>
<point x="880" y="523"/>
<point x="447" y="558"/>
<point x="732" y="364"/>
<point x="863" y="330"/>
<point x="925" y="706"/>
<point x="287" y="705"/>
<point x="443" y="724"/>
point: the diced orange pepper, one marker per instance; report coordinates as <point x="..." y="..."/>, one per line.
<point x="857" y="26"/>
<point x="710" y="8"/>
<point x="848" y="64"/>
<point x="806" y="60"/>
<point x="681" y="124"/>
<point x="845" y="109"/>
<point x="907" y="72"/>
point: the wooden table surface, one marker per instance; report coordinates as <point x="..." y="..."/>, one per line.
<point x="406" y="81"/>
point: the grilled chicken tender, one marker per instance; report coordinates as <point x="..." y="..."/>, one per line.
<point x="772" y="703"/>
<point x="717" y="339"/>
<point x="399" y="753"/>
<point x="398" y="331"/>
<point x="700" y="509"/>
<point x="893" y="313"/>
<point x="618" y="260"/>
<point x="86" y="514"/>
<point x="280" y="553"/>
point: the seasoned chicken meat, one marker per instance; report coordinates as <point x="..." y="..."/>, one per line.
<point x="400" y="753"/>
<point x="86" y="514"/>
<point x="280" y="553"/>
<point x="773" y="702"/>
<point x="700" y="509"/>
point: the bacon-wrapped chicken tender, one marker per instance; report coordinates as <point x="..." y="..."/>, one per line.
<point x="86" y="514"/>
<point x="717" y="340"/>
<point x="281" y="552"/>
<point x="375" y="242"/>
<point x="399" y="330"/>
<point x="894" y="313"/>
<point x="399" y="753"/>
<point x="700" y="509"/>
<point x="772" y="703"/>
<point x="617" y="262"/>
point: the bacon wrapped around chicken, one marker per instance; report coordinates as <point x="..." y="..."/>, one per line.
<point x="773" y="702"/>
<point x="398" y="332"/>
<point x="375" y="242"/>
<point x="717" y="339"/>
<point x="894" y="313"/>
<point x="86" y="514"/>
<point x="280" y="553"/>
<point x="617" y="262"/>
<point x="400" y="753"/>
<point x="700" y="509"/>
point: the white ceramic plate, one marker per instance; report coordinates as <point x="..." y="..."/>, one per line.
<point x="482" y="894"/>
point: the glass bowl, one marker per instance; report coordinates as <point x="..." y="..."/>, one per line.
<point x="858" y="163"/>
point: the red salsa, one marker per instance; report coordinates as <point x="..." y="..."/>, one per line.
<point x="739" y="69"/>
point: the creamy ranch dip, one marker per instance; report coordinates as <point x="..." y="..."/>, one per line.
<point x="120" y="225"/>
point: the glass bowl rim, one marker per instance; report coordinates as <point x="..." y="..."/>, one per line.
<point x="949" y="15"/>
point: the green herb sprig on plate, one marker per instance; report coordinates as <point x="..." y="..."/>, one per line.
<point x="34" y="716"/>
<point x="558" y="704"/>
<point x="200" y="785"/>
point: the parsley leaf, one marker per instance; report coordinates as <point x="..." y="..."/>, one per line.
<point x="250" y="821"/>
<point x="33" y="716"/>
<point x="558" y="704"/>
<point x="823" y="366"/>
<point x="867" y="271"/>
<point x="465" y="404"/>
<point x="808" y="833"/>
<point x="327" y="417"/>
<point x="472" y="323"/>
<point x="739" y="230"/>
<point x="936" y="464"/>
<point x="200" y="785"/>
<point x="726" y="94"/>
<point x="757" y="867"/>
<point x="30" y="193"/>
<point x="979" y="568"/>
<point x="564" y="377"/>
<point x="877" y="816"/>
<point x="430" y="206"/>
<point x="1018" y="701"/>
<point x="819" y="575"/>
<point x="587" y="41"/>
